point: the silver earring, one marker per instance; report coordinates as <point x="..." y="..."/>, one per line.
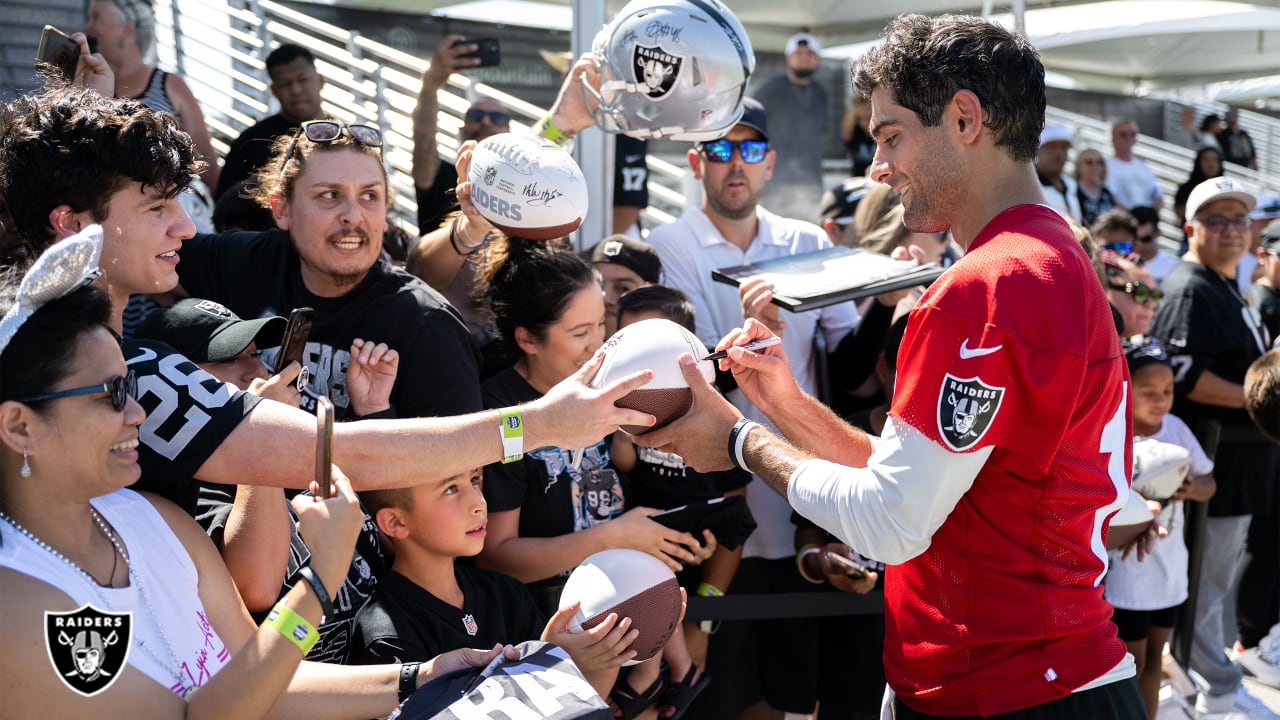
<point x="26" y="466"/>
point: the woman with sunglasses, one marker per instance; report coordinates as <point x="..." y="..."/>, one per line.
<point x="1132" y="292"/>
<point x="72" y="537"/>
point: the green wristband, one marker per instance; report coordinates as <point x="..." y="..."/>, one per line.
<point x="708" y="590"/>
<point x="551" y="132"/>
<point x="293" y="626"/>
<point x="512" y="435"/>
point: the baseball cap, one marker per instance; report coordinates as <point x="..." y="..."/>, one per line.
<point x="206" y="331"/>
<point x="1268" y="207"/>
<point x="753" y="116"/>
<point x="1271" y="236"/>
<point x="636" y="255"/>
<point x="1144" y="352"/>
<point x="794" y="41"/>
<point x="840" y="202"/>
<point x="1055" y="133"/>
<point x="561" y="61"/>
<point x="1219" y="188"/>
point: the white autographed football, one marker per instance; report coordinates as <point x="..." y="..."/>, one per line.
<point x="527" y="186"/>
<point x="653" y="344"/>
<point x="632" y="584"/>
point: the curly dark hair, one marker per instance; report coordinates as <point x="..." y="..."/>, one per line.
<point x="71" y="146"/>
<point x="925" y="61"/>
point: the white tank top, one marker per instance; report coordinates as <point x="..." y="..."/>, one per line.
<point x="167" y="573"/>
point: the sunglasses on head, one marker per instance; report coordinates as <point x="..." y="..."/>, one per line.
<point x="721" y="151"/>
<point x="1139" y="292"/>
<point x="327" y="131"/>
<point x="120" y="388"/>
<point x="497" y="117"/>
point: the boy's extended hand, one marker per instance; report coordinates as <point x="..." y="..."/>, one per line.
<point x="597" y="652"/>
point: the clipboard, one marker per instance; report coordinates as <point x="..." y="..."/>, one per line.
<point x="825" y="277"/>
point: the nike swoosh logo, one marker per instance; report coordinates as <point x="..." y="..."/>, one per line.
<point x="967" y="352"/>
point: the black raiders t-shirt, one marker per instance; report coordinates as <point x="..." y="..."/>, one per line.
<point x="259" y="275"/>
<point x="553" y="497"/>
<point x="189" y="414"/>
<point x="402" y="622"/>
<point x="1207" y="325"/>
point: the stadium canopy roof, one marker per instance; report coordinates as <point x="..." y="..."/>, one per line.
<point x="1113" y="45"/>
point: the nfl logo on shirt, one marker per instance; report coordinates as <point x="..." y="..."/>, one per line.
<point x="469" y="622"/>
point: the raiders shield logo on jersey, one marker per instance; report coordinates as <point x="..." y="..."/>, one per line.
<point x="88" y="647"/>
<point x="655" y="70"/>
<point x="966" y="407"/>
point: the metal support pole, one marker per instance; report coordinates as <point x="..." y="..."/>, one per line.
<point x="593" y="149"/>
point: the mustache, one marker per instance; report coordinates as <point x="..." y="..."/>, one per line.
<point x="334" y="237"/>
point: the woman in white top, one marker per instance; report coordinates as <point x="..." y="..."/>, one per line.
<point x="73" y="540"/>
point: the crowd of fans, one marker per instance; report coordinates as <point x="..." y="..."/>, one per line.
<point x="464" y="321"/>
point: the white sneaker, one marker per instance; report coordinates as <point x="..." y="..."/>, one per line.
<point x="1239" y="705"/>
<point x="1263" y="663"/>
<point x="1214" y="705"/>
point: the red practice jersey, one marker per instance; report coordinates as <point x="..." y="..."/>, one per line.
<point x="1014" y="349"/>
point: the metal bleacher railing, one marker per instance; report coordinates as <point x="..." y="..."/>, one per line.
<point x="1171" y="163"/>
<point x="219" y="49"/>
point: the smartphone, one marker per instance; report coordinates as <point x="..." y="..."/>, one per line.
<point x="486" y="49"/>
<point x="324" y="446"/>
<point x="295" y="338"/>
<point x="59" y="50"/>
<point x="853" y="569"/>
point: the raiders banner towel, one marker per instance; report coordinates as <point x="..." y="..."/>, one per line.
<point x="543" y="683"/>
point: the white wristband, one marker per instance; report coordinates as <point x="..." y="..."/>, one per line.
<point x="739" y="439"/>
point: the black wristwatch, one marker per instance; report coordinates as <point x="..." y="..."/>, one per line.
<point x="408" y="680"/>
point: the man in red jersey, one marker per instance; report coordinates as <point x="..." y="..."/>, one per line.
<point x="1006" y="450"/>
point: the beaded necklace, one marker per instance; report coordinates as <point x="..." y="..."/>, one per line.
<point x="176" y="666"/>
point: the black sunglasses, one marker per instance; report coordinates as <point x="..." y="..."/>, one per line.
<point x="497" y="117"/>
<point x="1140" y="293"/>
<point x="721" y="151"/>
<point x="327" y="131"/>
<point x="120" y="388"/>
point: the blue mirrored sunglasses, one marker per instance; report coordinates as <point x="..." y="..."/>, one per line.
<point x="721" y="151"/>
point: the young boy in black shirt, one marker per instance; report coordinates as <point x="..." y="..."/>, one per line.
<point x="427" y="602"/>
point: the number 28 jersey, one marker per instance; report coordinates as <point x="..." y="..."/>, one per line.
<point x="1013" y="349"/>
<point x="189" y="414"/>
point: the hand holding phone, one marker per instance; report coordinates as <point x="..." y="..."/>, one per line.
<point x="851" y="568"/>
<point x="294" y="340"/>
<point x="324" y="446"/>
<point x="58" y="50"/>
<point x="487" y="51"/>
